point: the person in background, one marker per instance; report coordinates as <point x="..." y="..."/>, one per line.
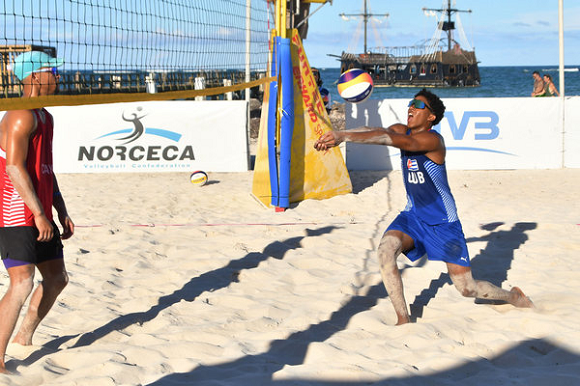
<point x="539" y="86"/>
<point x="29" y="238"/>
<point x="550" y="87"/>
<point x="324" y="93"/>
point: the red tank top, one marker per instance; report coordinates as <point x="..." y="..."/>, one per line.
<point x="39" y="166"/>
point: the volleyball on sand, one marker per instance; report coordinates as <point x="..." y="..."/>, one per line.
<point x="198" y="178"/>
<point x="355" y="85"/>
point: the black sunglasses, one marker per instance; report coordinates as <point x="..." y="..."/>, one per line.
<point x="419" y="104"/>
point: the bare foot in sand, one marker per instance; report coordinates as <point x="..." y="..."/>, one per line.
<point x="403" y="319"/>
<point x="519" y="299"/>
<point x="19" y="340"/>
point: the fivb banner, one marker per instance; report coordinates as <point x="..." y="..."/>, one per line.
<point x="169" y="136"/>
<point x="479" y="133"/>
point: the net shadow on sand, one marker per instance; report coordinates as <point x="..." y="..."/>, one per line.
<point x="208" y="281"/>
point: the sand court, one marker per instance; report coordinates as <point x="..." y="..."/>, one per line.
<point x="171" y="283"/>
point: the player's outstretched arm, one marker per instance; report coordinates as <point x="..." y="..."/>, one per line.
<point x="368" y="135"/>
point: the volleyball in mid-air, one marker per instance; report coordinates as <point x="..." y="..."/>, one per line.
<point x="198" y="178"/>
<point x="355" y="85"/>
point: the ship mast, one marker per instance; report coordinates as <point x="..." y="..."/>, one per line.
<point x="448" y="26"/>
<point x="365" y="16"/>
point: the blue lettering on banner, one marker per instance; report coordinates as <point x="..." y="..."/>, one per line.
<point x="483" y="130"/>
<point x="485" y="127"/>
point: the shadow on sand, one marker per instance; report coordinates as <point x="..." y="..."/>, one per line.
<point x="208" y="281"/>
<point x="522" y="359"/>
<point x="533" y="361"/>
<point x="491" y="264"/>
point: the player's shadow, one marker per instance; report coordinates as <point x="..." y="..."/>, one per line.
<point x="291" y="351"/>
<point x="282" y="352"/>
<point x="494" y="261"/>
<point x="491" y="264"/>
<point x="528" y="361"/>
<point x="208" y="281"/>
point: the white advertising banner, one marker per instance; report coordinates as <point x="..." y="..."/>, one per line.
<point x="572" y="136"/>
<point x="167" y="136"/>
<point x="479" y="133"/>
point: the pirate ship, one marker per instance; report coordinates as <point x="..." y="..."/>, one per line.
<point x="442" y="62"/>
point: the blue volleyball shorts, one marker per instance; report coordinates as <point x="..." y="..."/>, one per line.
<point x="442" y="242"/>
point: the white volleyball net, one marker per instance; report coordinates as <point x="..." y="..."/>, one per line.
<point x="128" y="50"/>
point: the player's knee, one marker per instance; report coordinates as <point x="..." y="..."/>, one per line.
<point x="465" y="286"/>
<point x="21" y="289"/>
<point x="57" y="282"/>
<point x="61" y="281"/>
<point x="390" y="243"/>
<point x="389" y="248"/>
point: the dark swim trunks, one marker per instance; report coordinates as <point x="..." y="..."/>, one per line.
<point x="18" y="246"/>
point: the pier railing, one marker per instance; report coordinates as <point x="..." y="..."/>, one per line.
<point x="111" y="82"/>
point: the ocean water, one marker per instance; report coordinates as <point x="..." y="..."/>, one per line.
<point x="495" y="82"/>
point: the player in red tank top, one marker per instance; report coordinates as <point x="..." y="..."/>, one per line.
<point x="39" y="168"/>
<point x="29" y="239"/>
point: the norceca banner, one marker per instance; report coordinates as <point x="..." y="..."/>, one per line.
<point x="479" y="133"/>
<point x="166" y="136"/>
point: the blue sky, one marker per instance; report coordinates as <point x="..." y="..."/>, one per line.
<point x="503" y="32"/>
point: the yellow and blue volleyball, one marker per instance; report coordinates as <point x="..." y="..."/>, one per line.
<point x="355" y="85"/>
<point x="198" y="178"/>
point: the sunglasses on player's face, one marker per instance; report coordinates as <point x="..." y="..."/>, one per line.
<point x="51" y="69"/>
<point x="418" y="104"/>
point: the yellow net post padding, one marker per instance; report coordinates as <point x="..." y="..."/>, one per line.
<point x="313" y="174"/>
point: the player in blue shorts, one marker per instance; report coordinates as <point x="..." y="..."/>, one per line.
<point x="429" y="223"/>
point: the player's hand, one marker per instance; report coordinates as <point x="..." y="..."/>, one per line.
<point x="328" y="140"/>
<point x="45" y="229"/>
<point x="68" y="227"/>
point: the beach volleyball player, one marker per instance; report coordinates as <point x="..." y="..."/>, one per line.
<point x="429" y="223"/>
<point x="29" y="238"/>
